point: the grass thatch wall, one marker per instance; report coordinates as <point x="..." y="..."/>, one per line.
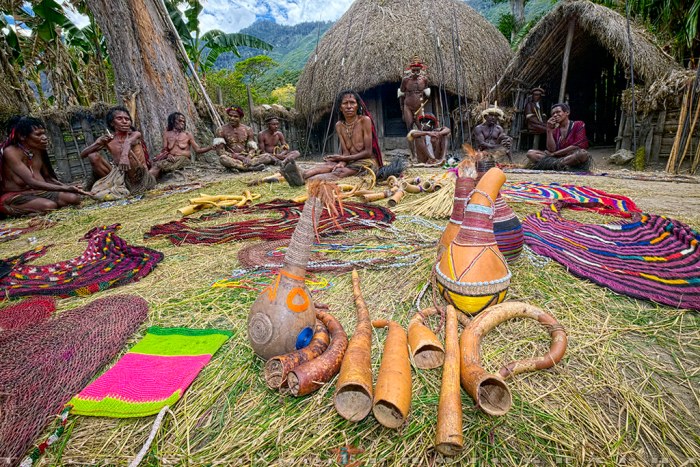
<point x="540" y="55"/>
<point x="374" y="41"/>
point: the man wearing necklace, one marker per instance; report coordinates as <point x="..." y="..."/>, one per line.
<point x="177" y="145"/>
<point x="566" y="143"/>
<point x="272" y="141"/>
<point x="127" y="151"/>
<point x="413" y="92"/>
<point x="236" y="147"/>
<point x="490" y="136"/>
<point x="430" y="141"/>
<point x="28" y="183"/>
<point x="359" y="147"/>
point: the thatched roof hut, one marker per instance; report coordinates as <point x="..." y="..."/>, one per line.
<point x="369" y="47"/>
<point x="597" y="67"/>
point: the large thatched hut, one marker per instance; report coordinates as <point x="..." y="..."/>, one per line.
<point x="369" y="47"/>
<point x="580" y="52"/>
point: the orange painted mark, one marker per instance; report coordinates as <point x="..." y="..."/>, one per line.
<point x="290" y="275"/>
<point x="298" y="307"/>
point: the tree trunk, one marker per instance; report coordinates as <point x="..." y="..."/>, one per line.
<point x="147" y="73"/>
<point x="517" y="8"/>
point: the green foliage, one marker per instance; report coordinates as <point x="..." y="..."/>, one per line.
<point x="284" y="95"/>
<point x="251" y="69"/>
<point x="233" y="82"/>
<point x="506" y="24"/>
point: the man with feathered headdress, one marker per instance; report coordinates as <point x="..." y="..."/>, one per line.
<point x="490" y="136"/>
<point x="414" y="88"/>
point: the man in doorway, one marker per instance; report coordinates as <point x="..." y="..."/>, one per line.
<point x="430" y="141"/>
<point x="413" y="92"/>
<point x="490" y="136"/>
<point x="272" y="141"/>
<point x="28" y="183"/>
<point x="567" y="143"/>
<point x="128" y="152"/>
<point x="177" y="145"/>
<point x="236" y="147"/>
<point x="359" y="147"/>
<point x="534" y="118"/>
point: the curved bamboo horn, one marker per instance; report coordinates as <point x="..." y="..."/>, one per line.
<point x="426" y="348"/>
<point x="392" y="393"/>
<point x="490" y="392"/>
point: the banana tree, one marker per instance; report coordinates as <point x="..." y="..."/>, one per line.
<point x="204" y="49"/>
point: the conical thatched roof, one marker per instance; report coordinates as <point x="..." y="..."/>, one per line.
<point x="373" y="42"/>
<point x="541" y="52"/>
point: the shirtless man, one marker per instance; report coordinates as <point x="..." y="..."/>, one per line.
<point x="430" y="141"/>
<point x="534" y="117"/>
<point x="28" y="183"/>
<point x="567" y="143"/>
<point x="490" y="136"/>
<point x="236" y="147"/>
<point x="359" y="149"/>
<point x="272" y="141"/>
<point x="413" y="88"/>
<point x="177" y="145"/>
<point x="127" y="151"/>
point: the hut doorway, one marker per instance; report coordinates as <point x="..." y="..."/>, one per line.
<point x="391" y="111"/>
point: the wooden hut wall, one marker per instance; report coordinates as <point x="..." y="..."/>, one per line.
<point x="67" y="141"/>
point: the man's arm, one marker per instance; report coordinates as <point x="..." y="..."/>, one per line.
<point x="99" y="144"/>
<point x="196" y="147"/>
<point x="282" y="141"/>
<point x="131" y="140"/>
<point x="580" y="141"/>
<point x="551" y="126"/>
<point x="481" y="139"/>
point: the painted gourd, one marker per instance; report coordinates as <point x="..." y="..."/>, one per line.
<point x="472" y="274"/>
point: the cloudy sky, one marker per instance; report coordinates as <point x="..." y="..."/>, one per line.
<point x="234" y="15"/>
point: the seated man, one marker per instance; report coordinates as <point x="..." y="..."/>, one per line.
<point x="430" y="141"/>
<point x="236" y="147"/>
<point x="127" y="151"/>
<point x="359" y="147"/>
<point x="566" y="144"/>
<point x="28" y="183"/>
<point x="490" y="136"/>
<point x="177" y="146"/>
<point x="534" y="118"/>
<point x="272" y="141"/>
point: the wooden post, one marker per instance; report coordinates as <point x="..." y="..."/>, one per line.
<point x="219" y="95"/>
<point x="59" y="151"/>
<point x="658" y="136"/>
<point x="565" y="61"/>
<point x="621" y="131"/>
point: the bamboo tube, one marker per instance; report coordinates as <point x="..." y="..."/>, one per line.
<point x="309" y="376"/>
<point x="277" y="368"/>
<point x="428" y="185"/>
<point x="396" y="198"/>
<point x="448" y="436"/>
<point x="490" y="392"/>
<point x="187" y="210"/>
<point x="377" y="196"/>
<point x="353" y="391"/>
<point x="392" y="181"/>
<point x="214" y="199"/>
<point x="392" y="394"/>
<point x="409" y="188"/>
<point x="426" y="349"/>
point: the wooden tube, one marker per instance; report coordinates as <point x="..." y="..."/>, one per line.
<point x="428" y="185"/>
<point x="392" y="394"/>
<point x="409" y="188"/>
<point x="376" y="196"/>
<point x="426" y="349"/>
<point x="353" y="391"/>
<point x="277" y="368"/>
<point x="395" y="198"/>
<point x="490" y="392"/>
<point x="448" y="437"/>
<point x="309" y="376"/>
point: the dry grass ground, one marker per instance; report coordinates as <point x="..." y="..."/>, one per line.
<point x="626" y="392"/>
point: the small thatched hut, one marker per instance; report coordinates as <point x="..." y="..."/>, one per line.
<point x="369" y="47"/>
<point x="580" y="52"/>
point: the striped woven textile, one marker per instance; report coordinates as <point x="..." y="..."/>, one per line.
<point x="185" y="231"/>
<point x="604" y="203"/>
<point x="650" y="257"/>
<point x="508" y="230"/>
<point x="156" y="372"/>
<point x="108" y="261"/>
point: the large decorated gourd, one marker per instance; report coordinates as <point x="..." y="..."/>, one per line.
<point x="463" y="186"/>
<point x="282" y="318"/>
<point x="472" y="274"/>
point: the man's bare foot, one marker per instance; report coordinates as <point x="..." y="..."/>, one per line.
<point x="292" y="174"/>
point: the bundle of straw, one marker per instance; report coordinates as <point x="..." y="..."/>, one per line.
<point x="436" y="205"/>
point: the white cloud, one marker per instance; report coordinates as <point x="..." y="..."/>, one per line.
<point x="78" y="19"/>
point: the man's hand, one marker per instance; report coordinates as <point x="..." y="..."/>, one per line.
<point x="333" y="158"/>
<point x="171" y="158"/>
<point x="124" y="165"/>
<point x="80" y="191"/>
<point x="104" y="140"/>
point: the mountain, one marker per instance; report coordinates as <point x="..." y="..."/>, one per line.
<point x="292" y="47"/>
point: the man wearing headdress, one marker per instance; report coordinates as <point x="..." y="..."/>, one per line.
<point x="127" y="150"/>
<point x="430" y="141"/>
<point x="534" y="118"/>
<point x="490" y="136"/>
<point x="413" y="92"/>
<point x="177" y="145"/>
<point x="272" y="141"/>
<point x="567" y="143"/>
<point x="359" y="146"/>
<point x="28" y="183"/>
<point x="236" y="147"/>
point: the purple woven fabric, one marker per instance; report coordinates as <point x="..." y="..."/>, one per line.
<point x="650" y="257"/>
<point x="43" y="366"/>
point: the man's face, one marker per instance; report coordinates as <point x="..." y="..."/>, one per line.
<point x="558" y="114"/>
<point x="536" y="96"/>
<point x="121" y="121"/>
<point x="273" y="125"/>
<point x="426" y="124"/>
<point x="37" y="139"/>
<point x="348" y="105"/>
<point x="180" y="122"/>
<point x="415" y="70"/>
<point x="234" y="118"/>
<point x="490" y="119"/>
